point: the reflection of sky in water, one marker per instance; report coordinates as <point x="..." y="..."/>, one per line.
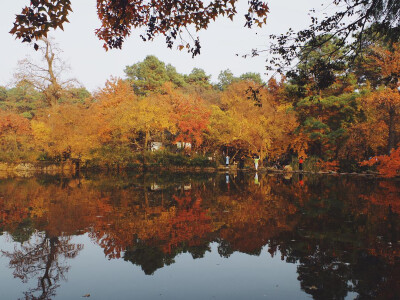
<point x="240" y="276"/>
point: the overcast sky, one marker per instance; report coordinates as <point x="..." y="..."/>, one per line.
<point x="92" y="65"/>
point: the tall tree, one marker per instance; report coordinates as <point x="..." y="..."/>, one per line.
<point x="385" y="65"/>
<point x="191" y="117"/>
<point x="321" y="89"/>
<point x="386" y="104"/>
<point x="47" y="76"/>
<point x="251" y="76"/>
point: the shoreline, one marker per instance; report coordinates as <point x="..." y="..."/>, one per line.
<point x="30" y="169"/>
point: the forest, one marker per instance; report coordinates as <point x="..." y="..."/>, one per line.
<point x="338" y="112"/>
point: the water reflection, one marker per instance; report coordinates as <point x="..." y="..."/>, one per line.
<point x="342" y="233"/>
<point x="42" y="258"/>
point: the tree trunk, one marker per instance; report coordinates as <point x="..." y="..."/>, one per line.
<point x="53" y="90"/>
<point x="146" y="139"/>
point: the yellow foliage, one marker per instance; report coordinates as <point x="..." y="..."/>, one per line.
<point x="41" y="132"/>
<point x="261" y="124"/>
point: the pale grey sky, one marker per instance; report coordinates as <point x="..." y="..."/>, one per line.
<point x="92" y="65"/>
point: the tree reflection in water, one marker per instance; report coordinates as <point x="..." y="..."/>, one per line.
<point x="42" y="258"/>
<point x="342" y="232"/>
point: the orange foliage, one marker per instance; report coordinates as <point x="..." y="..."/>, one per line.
<point x="13" y="123"/>
<point x="388" y="195"/>
<point x="113" y="99"/>
<point x="115" y="92"/>
<point x="328" y="165"/>
<point x="299" y="144"/>
<point x="192" y="118"/>
<point x="387" y="165"/>
<point x="15" y="137"/>
<point x="66" y="127"/>
<point x="13" y="129"/>
<point x="169" y="228"/>
<point x="385" y="98"/>
<point x="364" y="137"/>
<point x="255" y="119"/>
<point x="384" y="61"/>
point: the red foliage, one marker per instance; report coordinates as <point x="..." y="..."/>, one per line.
<point x="387" y="165"/>
<point x="329" y="165"/>
<point x="192" y="119"/>
<point x="10" y="122"/>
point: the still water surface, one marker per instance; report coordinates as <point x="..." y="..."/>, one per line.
<point x="202" y="236"/>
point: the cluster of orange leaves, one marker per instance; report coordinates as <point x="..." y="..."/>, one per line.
<point x="11" y="122"/>
<point x="192" y="119"/>
<point x="387" y="165"/>
<point x="328" y="165"/>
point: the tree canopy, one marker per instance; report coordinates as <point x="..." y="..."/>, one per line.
<point x="118" y="17"/>
<point x="357" y="22"/>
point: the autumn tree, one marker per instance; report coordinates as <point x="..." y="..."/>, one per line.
<point x="130" y="120"/>
<point x="167" y="18"/>
<point x="191" y="117"/>
<point x="66" y="131"/>
<point x="387" y="165"/>
<point x="111" y="100"/>
<point x="366" y="137"/>
<point x="46" y="77"/>
<point x="150" y="117"/>
<point x="385" y="100"/>
<point x="261" y="124"/>
<point x="15" y="137"/>
<point x="386" y="104"/>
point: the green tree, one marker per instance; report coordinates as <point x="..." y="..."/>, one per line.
<point x="322" y="91"/>
<point x="3" y="93"/>
<point x="22" y="99"/>
<point x="149" y="75"/>
<point x="251" y="76"/>
<point x="225" y="78"/>
<point x="199" y="78"/>
<point x="75" y="95"/>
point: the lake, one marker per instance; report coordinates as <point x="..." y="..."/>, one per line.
<point x="199" y="236"/>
